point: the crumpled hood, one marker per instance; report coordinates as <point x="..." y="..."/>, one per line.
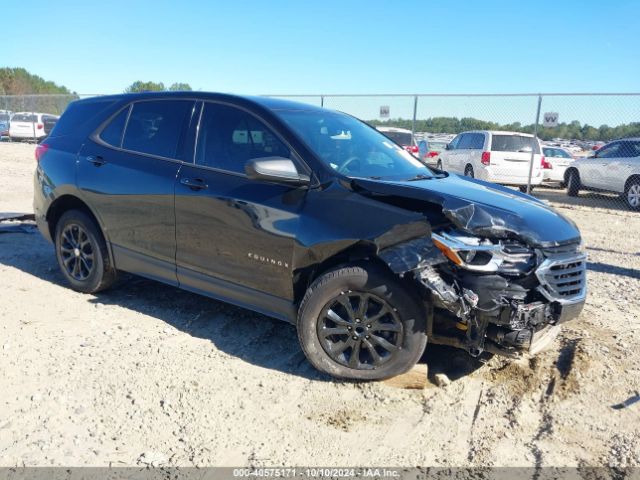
<point x="483" y="208"/>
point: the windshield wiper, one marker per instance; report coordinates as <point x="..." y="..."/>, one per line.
<point x="420" y="176"/>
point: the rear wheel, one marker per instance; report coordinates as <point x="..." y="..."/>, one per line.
<point x="632" y="194"/>
<point x="360" y="323"/>
<point x="468" y="171"/>
<point x="573" y="183"/>
<point x="82" y="253"/>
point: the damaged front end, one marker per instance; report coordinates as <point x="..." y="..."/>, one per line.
<point x="492" y="295"/>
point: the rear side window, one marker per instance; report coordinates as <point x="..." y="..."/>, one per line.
<point x="514" y="143"/>
<point x="155" y="127"/>
<point x="77" y="115"/>
<point x="230" y="137"/>
<point x="112" y="133"/>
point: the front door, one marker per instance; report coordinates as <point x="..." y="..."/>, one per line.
<point x="235" y="236"/>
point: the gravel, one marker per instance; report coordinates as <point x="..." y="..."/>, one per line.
<point x="146" y="374"/>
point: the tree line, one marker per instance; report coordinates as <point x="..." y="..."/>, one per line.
<point x="573" y="130"/>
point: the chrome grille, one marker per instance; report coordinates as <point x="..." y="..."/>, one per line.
<point x="563" y="277"/>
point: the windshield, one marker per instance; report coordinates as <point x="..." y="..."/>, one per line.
<point x="351" y="147"/>
<point x="401" y="138"/>
<point x="514" y="143"/>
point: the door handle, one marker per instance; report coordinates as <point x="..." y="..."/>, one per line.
<point x="194" y="183"/>
<point x="97" y="160"/>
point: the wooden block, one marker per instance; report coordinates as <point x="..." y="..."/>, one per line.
<point x="415" y="379"/>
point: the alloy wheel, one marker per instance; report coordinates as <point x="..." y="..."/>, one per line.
<point x="633" y="195"/>
<point x="360" y="330"/>
<point x="77" y="252"/>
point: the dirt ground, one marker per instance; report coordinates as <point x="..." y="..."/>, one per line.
<point x="149" y="374"/>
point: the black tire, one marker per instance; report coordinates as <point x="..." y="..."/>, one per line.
<point x="82" y="253"/>
<point x="632" y="194"/>
<point x="573" y="183"/>
<point x="468" y="171"/>
<point x="523" y="188"/>
<point x="400" y="324"/>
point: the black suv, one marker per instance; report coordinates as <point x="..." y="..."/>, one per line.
<point x="307" y="215"/>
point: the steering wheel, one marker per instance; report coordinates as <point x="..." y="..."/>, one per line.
<point x="349" y="161"/>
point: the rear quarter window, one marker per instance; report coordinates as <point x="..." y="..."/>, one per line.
<point x="77" y="115"/>
<point x="112" y="133"/>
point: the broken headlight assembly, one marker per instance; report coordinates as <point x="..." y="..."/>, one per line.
<point x="508" y="257"/>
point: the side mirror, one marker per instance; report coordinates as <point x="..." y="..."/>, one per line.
<point x="275" y="169"/>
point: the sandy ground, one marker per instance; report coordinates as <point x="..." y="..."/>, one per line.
<point x="146" y="373"/>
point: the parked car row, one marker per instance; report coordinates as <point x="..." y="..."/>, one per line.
<point x="505" y="158"/>
<point x="26" y="125"/>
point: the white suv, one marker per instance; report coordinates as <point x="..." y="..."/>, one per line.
<point x="494" y="156"/>
<point x="613" y="168"/>
<point x="30" y="126"/>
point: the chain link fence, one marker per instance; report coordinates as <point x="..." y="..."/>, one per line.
<point x="587" y="151"/>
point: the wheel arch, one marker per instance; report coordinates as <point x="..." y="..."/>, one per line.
<point x="67" y="202"/>
<point x="359" y="252"/>
<point x="634" y="177"/>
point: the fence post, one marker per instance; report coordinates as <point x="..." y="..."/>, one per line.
<point x="415" y="112"/>
<point x="533" y="150"/>
<point x="322" y="100"/>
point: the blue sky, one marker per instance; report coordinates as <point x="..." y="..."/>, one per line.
<point x="347" y="46"/>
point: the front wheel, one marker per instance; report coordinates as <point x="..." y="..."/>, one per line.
<point x="360" y="323"/>
<point x="632" y="194"/>
<point x="82" y="253"/>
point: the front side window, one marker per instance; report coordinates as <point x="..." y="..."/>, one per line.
<point x="610" y="151"/>
<point x="230" y="137"/>
<point x="155" y="127"/>
<point x="351" y="147"/>
<point x="466" y="141"/>
<point x="630" y="149"/>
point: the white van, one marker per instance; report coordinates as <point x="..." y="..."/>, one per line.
<point x="494" y="156"/>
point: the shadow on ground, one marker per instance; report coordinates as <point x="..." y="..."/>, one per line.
<point x="609" y="201"/>
<point x="250" y="336"/>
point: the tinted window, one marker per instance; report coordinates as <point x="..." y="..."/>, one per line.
<point x="514" y="143"/>
<point x="477" y="141"/>
<point x="4" y="117"/>
<point x="401" y="138"/>
<point x="155" y="127"/>
<point x="112" y="133"/>
<point x="230" y="137"/>
<point x="630" y="149"/>
<point x="23" y="117"/>
<point x="465" y="141"/>
<point x="77" y="114"/>
<point x="609" y="151"/>
<point x="455" y="142"/>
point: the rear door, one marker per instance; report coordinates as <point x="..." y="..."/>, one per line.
<point x="511" y="157"/>
<point x="235" y="236"/>
<point x="127" y="174"/>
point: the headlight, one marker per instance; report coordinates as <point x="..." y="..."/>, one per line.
<point x="483" y="255"/>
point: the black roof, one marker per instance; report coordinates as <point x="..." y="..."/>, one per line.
<point x="270" y="103"/>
